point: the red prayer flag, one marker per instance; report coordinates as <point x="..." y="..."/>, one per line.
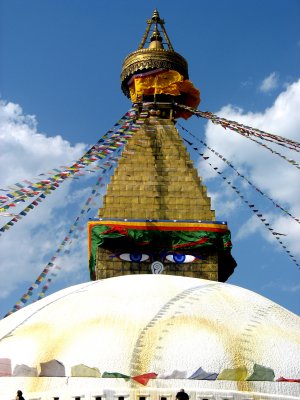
<point x="144" y="379"/>
<point x="281" y="379"/>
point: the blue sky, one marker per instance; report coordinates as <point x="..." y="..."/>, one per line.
<point x="60" y="64"/>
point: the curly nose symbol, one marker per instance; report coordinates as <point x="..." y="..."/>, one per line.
<point x="157" y="267"/>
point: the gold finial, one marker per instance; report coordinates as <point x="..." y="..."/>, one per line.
<point x="153" y="57"/>
<point x="155" y="16"/>
<point x="155" y="20"/>
<point x="156" y="40"/>
<point x="156" y="36"/>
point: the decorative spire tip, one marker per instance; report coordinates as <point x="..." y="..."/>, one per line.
<point x="155" y="16"/>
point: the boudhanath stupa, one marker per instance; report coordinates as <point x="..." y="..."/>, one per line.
<point x="157" y="315"/>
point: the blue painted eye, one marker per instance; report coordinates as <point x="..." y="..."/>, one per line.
<point x="134" y="257"/>
<point x="180" y="258"/>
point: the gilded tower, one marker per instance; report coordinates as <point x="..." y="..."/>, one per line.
<point x="156" y="215"/>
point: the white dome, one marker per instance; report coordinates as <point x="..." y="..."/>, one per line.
<point x="137" y="324"/>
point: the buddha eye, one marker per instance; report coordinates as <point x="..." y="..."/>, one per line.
<point x="134" y="257"/>
<point x="180" y="258"/>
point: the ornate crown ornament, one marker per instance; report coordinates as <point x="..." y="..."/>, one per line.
<point x="154" y="57"/>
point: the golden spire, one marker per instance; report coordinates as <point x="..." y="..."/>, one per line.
<point x="155" y="20"/>
<point x="156" y="40"/>
<point x="153" y="57"/>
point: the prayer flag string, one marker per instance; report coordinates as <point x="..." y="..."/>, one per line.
<point x="237" y="172"/>
<point x="289" y="160"/>
<point x="52" y="268"/>
<point x="253" y="208"/>
<point x="70" y="235"/>
<point x="248" y="132"/>
<point x="105" y="146"/>
<point x="17" y="217"/>
<point x="123" y="134"/>
<point x="247" y="129"/>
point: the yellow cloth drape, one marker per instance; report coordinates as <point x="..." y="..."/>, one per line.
<point x="165" y="82"/>
<point x="159" y="83"/>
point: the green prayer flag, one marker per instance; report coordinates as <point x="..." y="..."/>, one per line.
<point x="261" y="373"/>
<point x="115" y="375"/>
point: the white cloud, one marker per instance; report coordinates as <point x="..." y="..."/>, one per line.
<point x="27" y="247"/>
<point x="25" y="152"/>
<point x="252" y="226"/>
<point x="276" y="177"/>
<point x="291" y="288"/>
<point x="247" y="82"/>
<point x="223" y="199"/>
<point x="269" y="83"/>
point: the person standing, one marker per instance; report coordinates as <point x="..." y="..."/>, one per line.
<point x="182" y="395"/>
<point x="19" y="395"/>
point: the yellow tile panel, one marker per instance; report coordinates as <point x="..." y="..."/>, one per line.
<point x="158" y="178"/>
